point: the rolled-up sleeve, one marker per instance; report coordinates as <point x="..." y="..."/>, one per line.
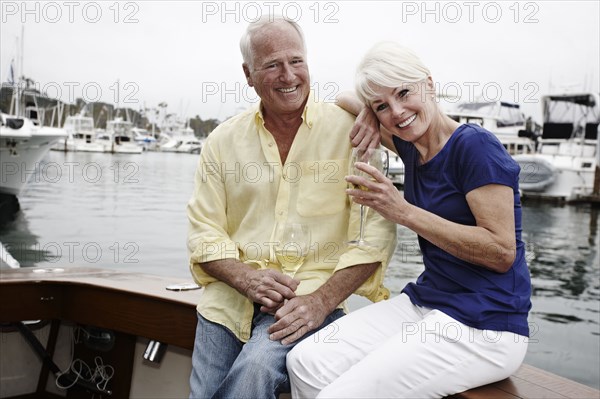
<point x="207" y="236"/>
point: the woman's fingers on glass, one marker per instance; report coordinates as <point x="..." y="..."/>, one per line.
<point x="375" y="141"/>
<point x="369" y="171"/>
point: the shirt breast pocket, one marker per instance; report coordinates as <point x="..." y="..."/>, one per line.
<point x="322" y="188"/>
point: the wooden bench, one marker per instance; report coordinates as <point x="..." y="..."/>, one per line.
<point x="531" y="382"/>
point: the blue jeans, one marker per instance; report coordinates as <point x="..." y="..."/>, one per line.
<point x="225" y="367"/>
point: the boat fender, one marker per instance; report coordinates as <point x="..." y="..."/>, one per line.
<point x="536" y="173"/>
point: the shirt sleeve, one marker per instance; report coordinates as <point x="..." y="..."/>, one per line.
<point x="481" y="159"/>
<point x="207" y="236"/>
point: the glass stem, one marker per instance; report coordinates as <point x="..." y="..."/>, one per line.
<point x="362" y="223"/>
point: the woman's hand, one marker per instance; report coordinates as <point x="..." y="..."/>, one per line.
<point x="381" y="194"/>
<point x="365" y="132"/>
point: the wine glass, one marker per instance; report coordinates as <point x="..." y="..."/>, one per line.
<point x="379" y="159"/>
<point x="292" y="242"/>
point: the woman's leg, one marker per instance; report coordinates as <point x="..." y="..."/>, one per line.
<point x="319" y="360"/>
<point x="433" y="358"/>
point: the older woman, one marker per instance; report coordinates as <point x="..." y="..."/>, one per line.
<point x="463" y="323"/>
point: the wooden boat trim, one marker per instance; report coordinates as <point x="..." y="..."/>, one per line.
<point x="137" y="304"/>
<point x="132" y="303"/>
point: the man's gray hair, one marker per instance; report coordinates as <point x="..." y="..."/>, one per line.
<point x="253" y="27"/>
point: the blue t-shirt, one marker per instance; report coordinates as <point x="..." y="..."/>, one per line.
<point x="471" y="294"/>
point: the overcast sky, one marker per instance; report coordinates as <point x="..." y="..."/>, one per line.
<point x="186" y="53"/>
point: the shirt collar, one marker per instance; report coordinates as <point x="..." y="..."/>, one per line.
<point x="308" y="114"/>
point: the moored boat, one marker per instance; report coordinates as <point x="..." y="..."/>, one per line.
<point x="81" y="135"/>
<point x="23" y="144"/>
<point x="178" y="137"/>
<point x="144" y="139"/>
<point x="566" y="164"/>
<point x="502" y="118"/>
<point x="119" y="139"/>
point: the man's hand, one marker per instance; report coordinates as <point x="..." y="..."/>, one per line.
<point x="297" y="317"/>
<point x="269" y="288"/>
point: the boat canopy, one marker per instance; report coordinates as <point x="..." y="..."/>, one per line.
<point x="505" y="113"/>
<point x="571" y="108"/>
<point x="587" y="100"/>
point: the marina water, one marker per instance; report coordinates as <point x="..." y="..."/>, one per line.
<point x="127" y="212"/>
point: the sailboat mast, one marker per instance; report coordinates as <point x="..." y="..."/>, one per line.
<point x="17" y="87"/>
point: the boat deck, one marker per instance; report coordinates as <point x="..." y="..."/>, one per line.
<point x="136" y="304"/>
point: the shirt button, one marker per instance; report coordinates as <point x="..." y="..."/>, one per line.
<point x="270" y="144"/>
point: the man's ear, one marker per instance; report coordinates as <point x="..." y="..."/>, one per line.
<point x="247" y="74"/>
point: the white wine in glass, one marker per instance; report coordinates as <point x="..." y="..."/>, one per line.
<point x="377" y="158"/>
<point x="292" y="242"/>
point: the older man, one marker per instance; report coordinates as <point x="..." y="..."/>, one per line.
<point x="283" y="160"/>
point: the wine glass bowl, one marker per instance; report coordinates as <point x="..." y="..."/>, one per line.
<point x="377" y="158"/>
<point x="292" y="243"/>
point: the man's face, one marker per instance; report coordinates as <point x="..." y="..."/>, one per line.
<point x="279" y="72"/>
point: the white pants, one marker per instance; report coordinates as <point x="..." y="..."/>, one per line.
<point x="394" y="349"/>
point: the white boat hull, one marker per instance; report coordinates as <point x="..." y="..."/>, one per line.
<point x="125" y="149"/>
<point x="565" y="178"/>
<point x="21" y="150"/>
<point x="73" y="145"/>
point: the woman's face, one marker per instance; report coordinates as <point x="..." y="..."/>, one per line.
<point x="406" y="111"/>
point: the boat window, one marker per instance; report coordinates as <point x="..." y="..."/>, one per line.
<point x="14" y="123"/>
<point x="557" y="130"/>
<point x="591" y="131"/>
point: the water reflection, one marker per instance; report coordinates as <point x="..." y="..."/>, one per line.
<point x="21" y="243"/>
<point x="562" y="247"/>
<point x="563" y="255"/>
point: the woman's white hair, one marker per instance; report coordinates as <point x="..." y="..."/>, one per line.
<point x="388" y="64"/>
<point x="253" y="27"/>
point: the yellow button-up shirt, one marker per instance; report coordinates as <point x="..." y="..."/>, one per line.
<point x="242" y="190"/>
